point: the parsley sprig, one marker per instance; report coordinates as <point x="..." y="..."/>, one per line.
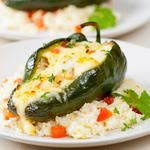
<point x="104" y="17"/>
<point x="142" y="102"/>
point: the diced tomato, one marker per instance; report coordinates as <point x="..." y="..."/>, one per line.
<point x="39" y="22"/>
<point x="18" y="81"/>
<point x="109" y="100"/>
<point x="30" y="14"/>
<point x="58" y="131"/>
<point x="7" y="114"/>
<point x="78" y="29"/>
<point x="56" y="51"/>
<point x="136" y="110"/>
<point x="104" y="114"/>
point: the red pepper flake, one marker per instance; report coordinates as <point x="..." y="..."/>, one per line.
<point x="109" y="100"/>
<point x="64" y="44"/>
<point x="104" y="114"/>
<point x="136" y="110"/>
<point x="56" y="51"/>
<point x="38" y="86"/>
<point x="78" y="29"/>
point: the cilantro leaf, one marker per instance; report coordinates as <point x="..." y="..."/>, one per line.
<point x="71" y="44"/>
<point x="37" y="77"/>
<point x="104" y="17"/>
<point x="116" y="111"/>
<point x="129" y="125"/>
<point x="45" y="95"/>
<point x="51" y="78"/>
<point x="142" y="102"/>
<point x="126" y="126"/>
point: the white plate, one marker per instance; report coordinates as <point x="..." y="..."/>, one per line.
<point x="12" y="55"/>
<point x="134" y="13"/>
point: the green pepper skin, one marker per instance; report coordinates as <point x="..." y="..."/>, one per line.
<point x="48" y="4"/>
<point x="96" y="82"/>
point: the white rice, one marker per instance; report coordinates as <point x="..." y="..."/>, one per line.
<point x="83" y="123"/>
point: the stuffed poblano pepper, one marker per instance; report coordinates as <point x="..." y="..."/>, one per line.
<point x="48" y="4"/>
<point x="66" y="73"/>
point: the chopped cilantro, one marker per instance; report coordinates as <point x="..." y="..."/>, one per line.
<point x="45" y="95"/>
<point x="86" y="46"/>
<point x="71" y="44"/>
<point x="63" y="70"/>
<point x="133" y="121"/>
<point x="129" y="125"/>
<point x="142" y="102"/>
<point x="51" y="78"/>
<point x="107" y="52"/>
<point x="125" y="127"/>
<point x="37" y="77"/>
<point x="116" y="111"/>
<point x="104" y="17"/>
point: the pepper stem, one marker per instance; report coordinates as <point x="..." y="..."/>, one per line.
<point x="94" y="24"/>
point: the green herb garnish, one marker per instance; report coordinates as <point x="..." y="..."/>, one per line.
<point x="125" y="127"/>
<point x="51" y="78"/>
<point x="104" y="17"/>
<point x="63" y="70"/>
<point x="45" y="95"/>
<point x="106" y="52"/>
<point x="142" y="103"/>
<point x="71" y="44"/>
<point x="116" y="111"/>
<point x="37" y="77"/>
<point x="86" y="46"/>
<point x="129" y="125"/>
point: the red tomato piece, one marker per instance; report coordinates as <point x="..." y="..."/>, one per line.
<point x="58" y="131"/>
<point x="109" y="100"/>
<point x="104" y="114"/>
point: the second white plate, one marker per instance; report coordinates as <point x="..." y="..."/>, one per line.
<point x="134" y="13"/>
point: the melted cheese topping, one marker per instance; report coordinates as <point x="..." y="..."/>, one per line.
<point x="58" y="68"/>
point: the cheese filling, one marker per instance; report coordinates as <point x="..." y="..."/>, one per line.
<point x="58" y="67"/>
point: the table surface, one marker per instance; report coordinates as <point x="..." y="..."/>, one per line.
<point x="141" y="37"/>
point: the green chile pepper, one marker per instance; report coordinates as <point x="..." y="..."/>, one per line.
<point x="96" y="82"/>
